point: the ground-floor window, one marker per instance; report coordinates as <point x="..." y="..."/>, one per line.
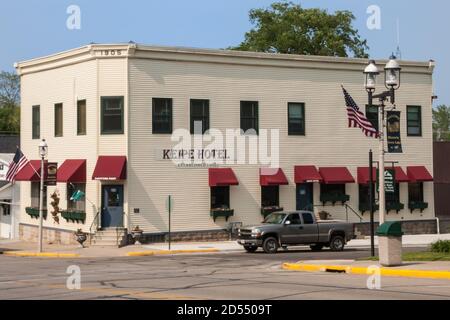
<point x="415" y="191"/>
<point x="6" y="208"/>
<point x="76" y="204"/>
<point x="220" y="197"/>
<point x="35" y="195"/>
<point x="332" y="189"/>
<point x="270" y="196"/>
<point x="364" y="194"/>
<point x="394" y="198"/>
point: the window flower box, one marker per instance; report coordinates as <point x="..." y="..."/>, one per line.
<point x="34" y="212"/>
<point x="222" y="212"/>
<point x="394" y="206"/>
<point x="74" y="216"/>
<point x="334" y="198"/>
<point x="265" y="211"/>
<point x="417" y="205"/>
<point x="363" y="207"/>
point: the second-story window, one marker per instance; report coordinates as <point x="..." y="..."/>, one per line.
<point x="81" y="117"/>
<point x="372" y="115"/>
<point x="199" y="116"/>
<point x="414" y="121"/>
<point x="112" y="115"/>
<point x="162" y="116"/>
<point x="58" y="120"/>
<point x="36" y="122"/>
<point x="296" y="119"/>
<point x="249" y="116"/>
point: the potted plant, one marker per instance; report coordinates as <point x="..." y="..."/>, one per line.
<point x="81" y="237"/>
<point x="137" y="233"/>
<point x="324" y="215"/>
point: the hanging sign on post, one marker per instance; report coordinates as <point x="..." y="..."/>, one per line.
<point x="393" y="132"/>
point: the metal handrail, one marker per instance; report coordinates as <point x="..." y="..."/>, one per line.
<point x="352" y="210"/>
<point x="92" y="224"/>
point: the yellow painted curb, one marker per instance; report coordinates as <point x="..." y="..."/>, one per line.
<point x="169" y="252"/>
<point x="428" y="274"/>
<point x="40" y="255"/>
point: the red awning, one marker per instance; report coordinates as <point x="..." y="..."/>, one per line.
<point x="363" y="175"/>
<point x="336" y="175"/>
<point x="272" y="177"/>
<point x="400" y="175"/>
<point x="72" y="171"/>
<point x="222" y="177"/>
<point x="110" y="168"/>
<point x="304" y="174"/>
<point x="31" y="172"/>
<point x="419" y="174"/>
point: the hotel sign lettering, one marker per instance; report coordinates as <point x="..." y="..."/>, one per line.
<point x="195" y="155"/>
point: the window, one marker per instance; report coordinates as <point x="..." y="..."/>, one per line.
<point x="414" y="119"/>
<point x="35" y="194"/>
<point x="294" y="218"/>
<point x="372" y="115"/>
<point x="79" y="205"/>
<point x="36" y="122"/>
<point x="162" y="116"/>
<point x="249" y="116"/>
<point x="332" y="189"/>
<point x="112" y="115"/>
<point x="307" y="218"/>
<point x="394" y="198"/>
<point x="415" y="191"/>
<point x="58" y="120"/>
<point x="6" y="208"/>
<point x="296" y="119"/>
<point x="270" y="196"/>
<point x="364" y="194"/>
<point x="199" y="116"/>
<point x="220" y="197"/>
<point x="81" y="117"/>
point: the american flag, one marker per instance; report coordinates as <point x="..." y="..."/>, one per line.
<point x="357" y="119"/>
<point x="16" y="165"/>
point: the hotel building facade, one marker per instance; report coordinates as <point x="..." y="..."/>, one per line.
<point x="109" y="114"/>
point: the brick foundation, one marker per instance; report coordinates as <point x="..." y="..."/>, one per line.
<point x="50" y="235"/>
<point x="408" y="227"/>
<point x="194" y="236"/>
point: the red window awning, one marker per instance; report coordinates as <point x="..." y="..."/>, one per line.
<point x="220" y="177"/>
<point x="363" y="175"/>
<point x="305" y="174"/>
<point x="419" y="174"/>
<point x="400" y="175"/>
<point x="31" y="172"/>
<point x="336" y="175"/>
<point x="72" y="171"/>
<point x="110" y="168"/>
<point x="272" y="177"/>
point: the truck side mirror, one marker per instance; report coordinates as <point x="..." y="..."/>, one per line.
<point x="287" y="222"/>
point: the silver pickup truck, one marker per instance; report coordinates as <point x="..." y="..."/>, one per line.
<point x="283" y="229"/>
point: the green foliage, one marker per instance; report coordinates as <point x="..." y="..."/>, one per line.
<point x="288" y="28"/>
<point x="441" y="246"/>
<point x="441" y="123"/>
<point x="9" y="103"/>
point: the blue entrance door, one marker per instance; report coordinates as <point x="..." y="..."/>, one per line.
<point x="112" y="206"/>
<point x="305" y="197"/>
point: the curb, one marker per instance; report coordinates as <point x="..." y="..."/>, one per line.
<point x="40" y="255"/>
<point x="169" y="252"/>
<point x="426" y="274"/>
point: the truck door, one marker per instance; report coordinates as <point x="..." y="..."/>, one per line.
<point x="291" y="233"/>
<point x="310" y="231"/>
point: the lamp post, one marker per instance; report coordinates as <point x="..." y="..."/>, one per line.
<point x="43" y="150"/>
<point x="392" y="79"/>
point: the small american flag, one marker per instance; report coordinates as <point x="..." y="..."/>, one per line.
<point x="357" y="119"/>
<point x="16" y="165"/>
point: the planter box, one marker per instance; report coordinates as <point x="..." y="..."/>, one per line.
<point x="269" y="210"/>
<point x="334" y="198"/>
<point x="34" y="213"/>
<point x="417" y="206"/>
<point x="74" y="216"/>
<point x="363" y="207"/>
<point x="392" y="206"/>
<point x="222" y="213"/>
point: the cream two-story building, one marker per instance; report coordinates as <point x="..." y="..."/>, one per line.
<point x="113" y="117"/>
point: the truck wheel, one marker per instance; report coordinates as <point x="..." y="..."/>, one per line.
<point x="316" y="247"/>
<point x="337" y="243"/>
<point x="270" y="245"/>
<point x="250" y="249"/>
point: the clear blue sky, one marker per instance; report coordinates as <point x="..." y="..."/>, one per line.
<point x="32" y="28"/>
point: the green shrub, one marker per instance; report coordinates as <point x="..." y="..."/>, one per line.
<point x="441" y="246"/>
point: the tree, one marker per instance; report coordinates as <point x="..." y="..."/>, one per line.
<point x="286" y="27"/>
<point x="9" y="103"/>
<point x="441" y="123"/>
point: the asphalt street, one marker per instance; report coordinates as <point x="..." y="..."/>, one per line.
<point x="230" y="276"/>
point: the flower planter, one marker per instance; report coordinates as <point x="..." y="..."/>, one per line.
<point x="74" y="216"/>
<point x="137" y="235"/>
<point x="363" y="207"/>
<point x="81" y="238"/>
<point x="414" y="205"/>
<point x="34" y="213"/>
<point x="334" y="198"/>
<point x="226" y="213"/>
<point x="265" y="211"/>
<point x="394" y="206"/>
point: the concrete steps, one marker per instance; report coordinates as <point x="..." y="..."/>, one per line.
<point x="112" y="237"/>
